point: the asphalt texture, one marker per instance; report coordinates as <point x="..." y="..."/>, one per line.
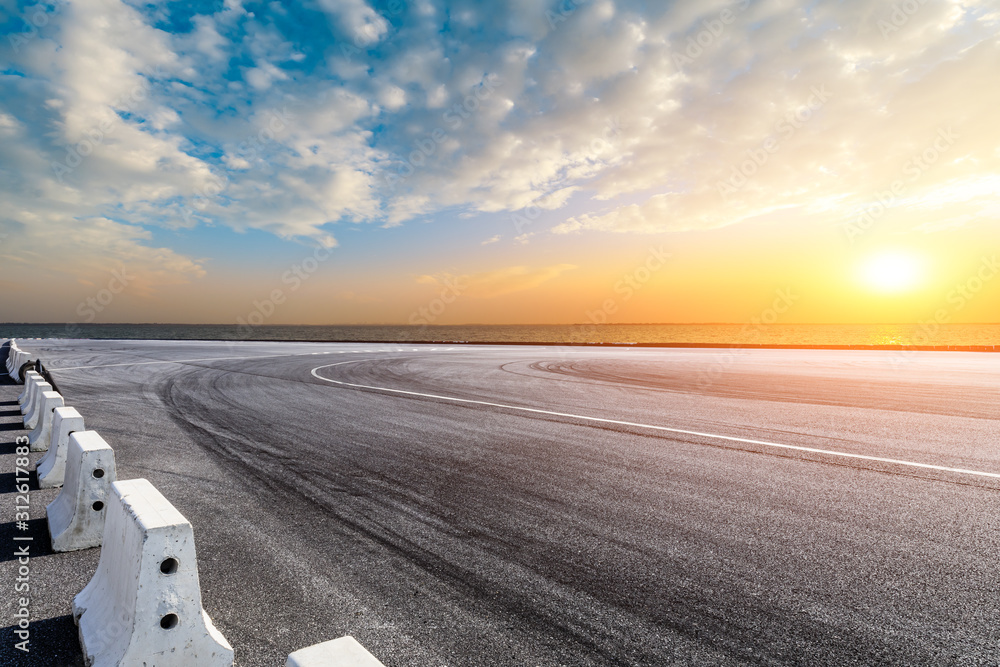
<point x="451" y="505"/>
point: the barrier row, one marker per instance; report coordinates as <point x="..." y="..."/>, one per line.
<point x="143" y="604"/>
<point x="18" y="362"/>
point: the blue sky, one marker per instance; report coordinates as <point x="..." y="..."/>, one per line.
<point x="537" y="148"/>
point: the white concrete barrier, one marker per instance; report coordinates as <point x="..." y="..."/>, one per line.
<point x="29" y="379"/>
<point x="51" y="468"/>
<point x="76" y="516"/>
<point x="26" y="406"/>
<point x="343" y="652"/>
<point x="15" y="359"/>
<point x="31" y="417"/>
<point x="12" y="355"/>
<point x="39" y="439"/>
<point x="143" y="605"/>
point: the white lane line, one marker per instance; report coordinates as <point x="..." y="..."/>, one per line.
<point x="730" y="438"/>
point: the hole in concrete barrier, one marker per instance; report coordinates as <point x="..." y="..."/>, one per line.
<point x="98" y="506"/>
<point x="99" y="473"/>
<point x="169" y="621"/>
<point x="168" y="566"/>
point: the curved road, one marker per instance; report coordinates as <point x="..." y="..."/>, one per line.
<point x="479" y="505"/>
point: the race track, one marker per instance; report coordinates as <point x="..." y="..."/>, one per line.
<point x="518" y="505"/>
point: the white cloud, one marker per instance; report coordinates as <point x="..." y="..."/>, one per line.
<point x="503" y="111"/>
<point x="392" y="98"/>
<point x="262" y="76"/>
<point x="207" y="40"/>
<point x="362" y="24"/>
<point x="90" y="248"/>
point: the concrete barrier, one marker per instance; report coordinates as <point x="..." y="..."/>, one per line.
<point x="39" y="439"/>
<point x="31" y="417"/>
<point x="17" y="361"/>
<point x="51" y="468"/>
<point x="143" y="605"/>
<point x="29" y="401"/>
<point x="76" y="516"/>
<point x="12" y="355"/>
<point x="343" y="652"/>
<point x="28" y="365"/>
<point x="29" y="379"/>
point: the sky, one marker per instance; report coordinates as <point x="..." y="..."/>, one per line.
<point x="511" y="161"/>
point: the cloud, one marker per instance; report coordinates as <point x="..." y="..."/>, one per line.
<point x="86" y="251"/>
<point x="296" y="118"/>
<point x="652" y="216"/>
<point x="492" y="239"/>
<point x="357" y="20"/>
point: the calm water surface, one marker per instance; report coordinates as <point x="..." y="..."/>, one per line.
<point x="716" y="334"/>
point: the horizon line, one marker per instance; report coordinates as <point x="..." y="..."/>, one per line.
<point x="480" y="324"/>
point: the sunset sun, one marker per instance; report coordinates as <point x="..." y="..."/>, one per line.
<point x="892" y="272"/>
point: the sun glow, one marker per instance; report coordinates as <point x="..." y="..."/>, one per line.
<point x="892" y="272"/>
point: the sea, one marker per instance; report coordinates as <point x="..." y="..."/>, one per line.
<point x="715" y="335"/>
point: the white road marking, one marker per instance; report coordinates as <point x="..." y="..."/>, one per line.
<point x="764" y="443"/>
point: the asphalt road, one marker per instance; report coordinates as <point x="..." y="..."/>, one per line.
<point x="453" y="505"/>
